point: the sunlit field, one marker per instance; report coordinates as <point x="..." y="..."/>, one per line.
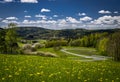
<point x="24" y="68"/>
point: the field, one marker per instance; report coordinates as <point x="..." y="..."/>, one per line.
<point x="24" y="68"/>
<point x="83" y="51"/>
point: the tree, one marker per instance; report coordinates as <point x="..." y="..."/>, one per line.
<point x="113" y="47"/>
<point x="102" y="46"/>
<point x="11" y="39"/>
<point x="2" y="41"/>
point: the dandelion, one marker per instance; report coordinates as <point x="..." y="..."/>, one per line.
<point x="38" y="73"/>
<point x="113" y="81"/>
<point x="78" y="77"/>
<point x="50" y="75"/>
<point x="88" y="78"/>
<point x="7" y="69"/>
<point x="85" y="80"/>
<point x="31" y="74"/>
<point x="3" y="78"/>
<point x="117" y="78"/>
<point x="10" y="76"/>
<point x="20" y="69"/>
<point x="16" y="73"/>
<point x="72" y="75"/>
<point x="41" y="67"/>
<point x="43" y="81"/>
<point x="106" y="79"/>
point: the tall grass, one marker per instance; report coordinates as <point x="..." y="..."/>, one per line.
<point x="19" y="68"/>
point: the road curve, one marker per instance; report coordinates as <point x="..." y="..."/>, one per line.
<point x="94" y="57"/>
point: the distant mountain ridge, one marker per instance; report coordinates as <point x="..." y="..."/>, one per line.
<point x="42" y="33"/>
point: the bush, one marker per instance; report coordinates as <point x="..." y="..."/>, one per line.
<point x="27" y="47"/>
<point x="75" y="42"/>
<point x="57" y="48"/>
<point x="47" y="54"/>
<point x="38" y="45"/>
<point x="56" y="43"/>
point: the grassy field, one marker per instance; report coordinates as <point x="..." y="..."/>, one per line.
<point x="24" y="68"/>
<point x="83" y="51"/>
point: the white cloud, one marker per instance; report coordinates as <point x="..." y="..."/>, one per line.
<point x="41" y="16"/>
<point x="116" y="12"/>
<point x="11" y="21"/>
<point x="71" y="20"/>
<point x="12" y="18"/>
<point x="103" y="22"/>
<point x="8" y="0"/>
<point x="61" y="21"/>
<point x="29" y="1"/>
<point x="45" y="10"/>
<point x="109" y="20"/>
<point x="104" y="12"/>
<point x="55" y="15"/>
<point x="25" y="11"/>
<point x="27" y="16"/>
<point x="81" y="14"/>
<point x="86" y="18"/>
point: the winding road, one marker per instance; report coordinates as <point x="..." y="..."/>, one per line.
<point x="94" y="57"/>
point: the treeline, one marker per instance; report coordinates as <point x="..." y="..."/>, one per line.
<point x="107" y="44"/>
<point x="89" y="40"/>
<point x="31" y="33"/>
<point x="8" y="40"/>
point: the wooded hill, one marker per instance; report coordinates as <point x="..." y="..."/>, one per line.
<point x="41" y="33"/>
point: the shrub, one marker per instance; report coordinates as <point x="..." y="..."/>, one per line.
<point x="75" y="42"/>
<point x="47" y="54"/>
<point x="27" y="47"/>
<point x="56" y="43"/>
<point x="38" y="45"/>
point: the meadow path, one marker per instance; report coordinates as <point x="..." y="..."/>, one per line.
<point x="94" y="57"/>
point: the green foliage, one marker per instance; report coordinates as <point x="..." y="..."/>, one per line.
<point x="2" y="41"/>
<point x="88" y="41"/>
<point x="76" y="42"/>
<point x="38" y="45"/>
<point x="102" y="46"/>
<point x="11" y="39"/>
<point x="55" y="43"/>
<point x="8" y="39"/>
<point x="113" y="47"/>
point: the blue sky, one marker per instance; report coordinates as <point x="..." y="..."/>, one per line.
<point x="61" y="14"/>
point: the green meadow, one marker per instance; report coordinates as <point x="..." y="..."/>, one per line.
<point x="25" y="68"/>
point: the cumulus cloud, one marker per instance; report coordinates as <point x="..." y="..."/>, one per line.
<point x="104" y="22"/>
<point x="29" y="1"/>
<point x="10" y="21"/>
<point x="55" y="15"/>
<point x="116" y="12"/>
<point x="85" y="19"/>
<point x="27" y="16"/>
<point x="12" y="18"/>
<point x="104" y="12"/>
<point x="71" y="20"/>
<point x="109" y="20"/>
<point x="25" y="11"/>
<point x="41" y="16"/>
<point x="8" y="0"/>
<point x="81" y="14"/>
<point x="45" y="10"/>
